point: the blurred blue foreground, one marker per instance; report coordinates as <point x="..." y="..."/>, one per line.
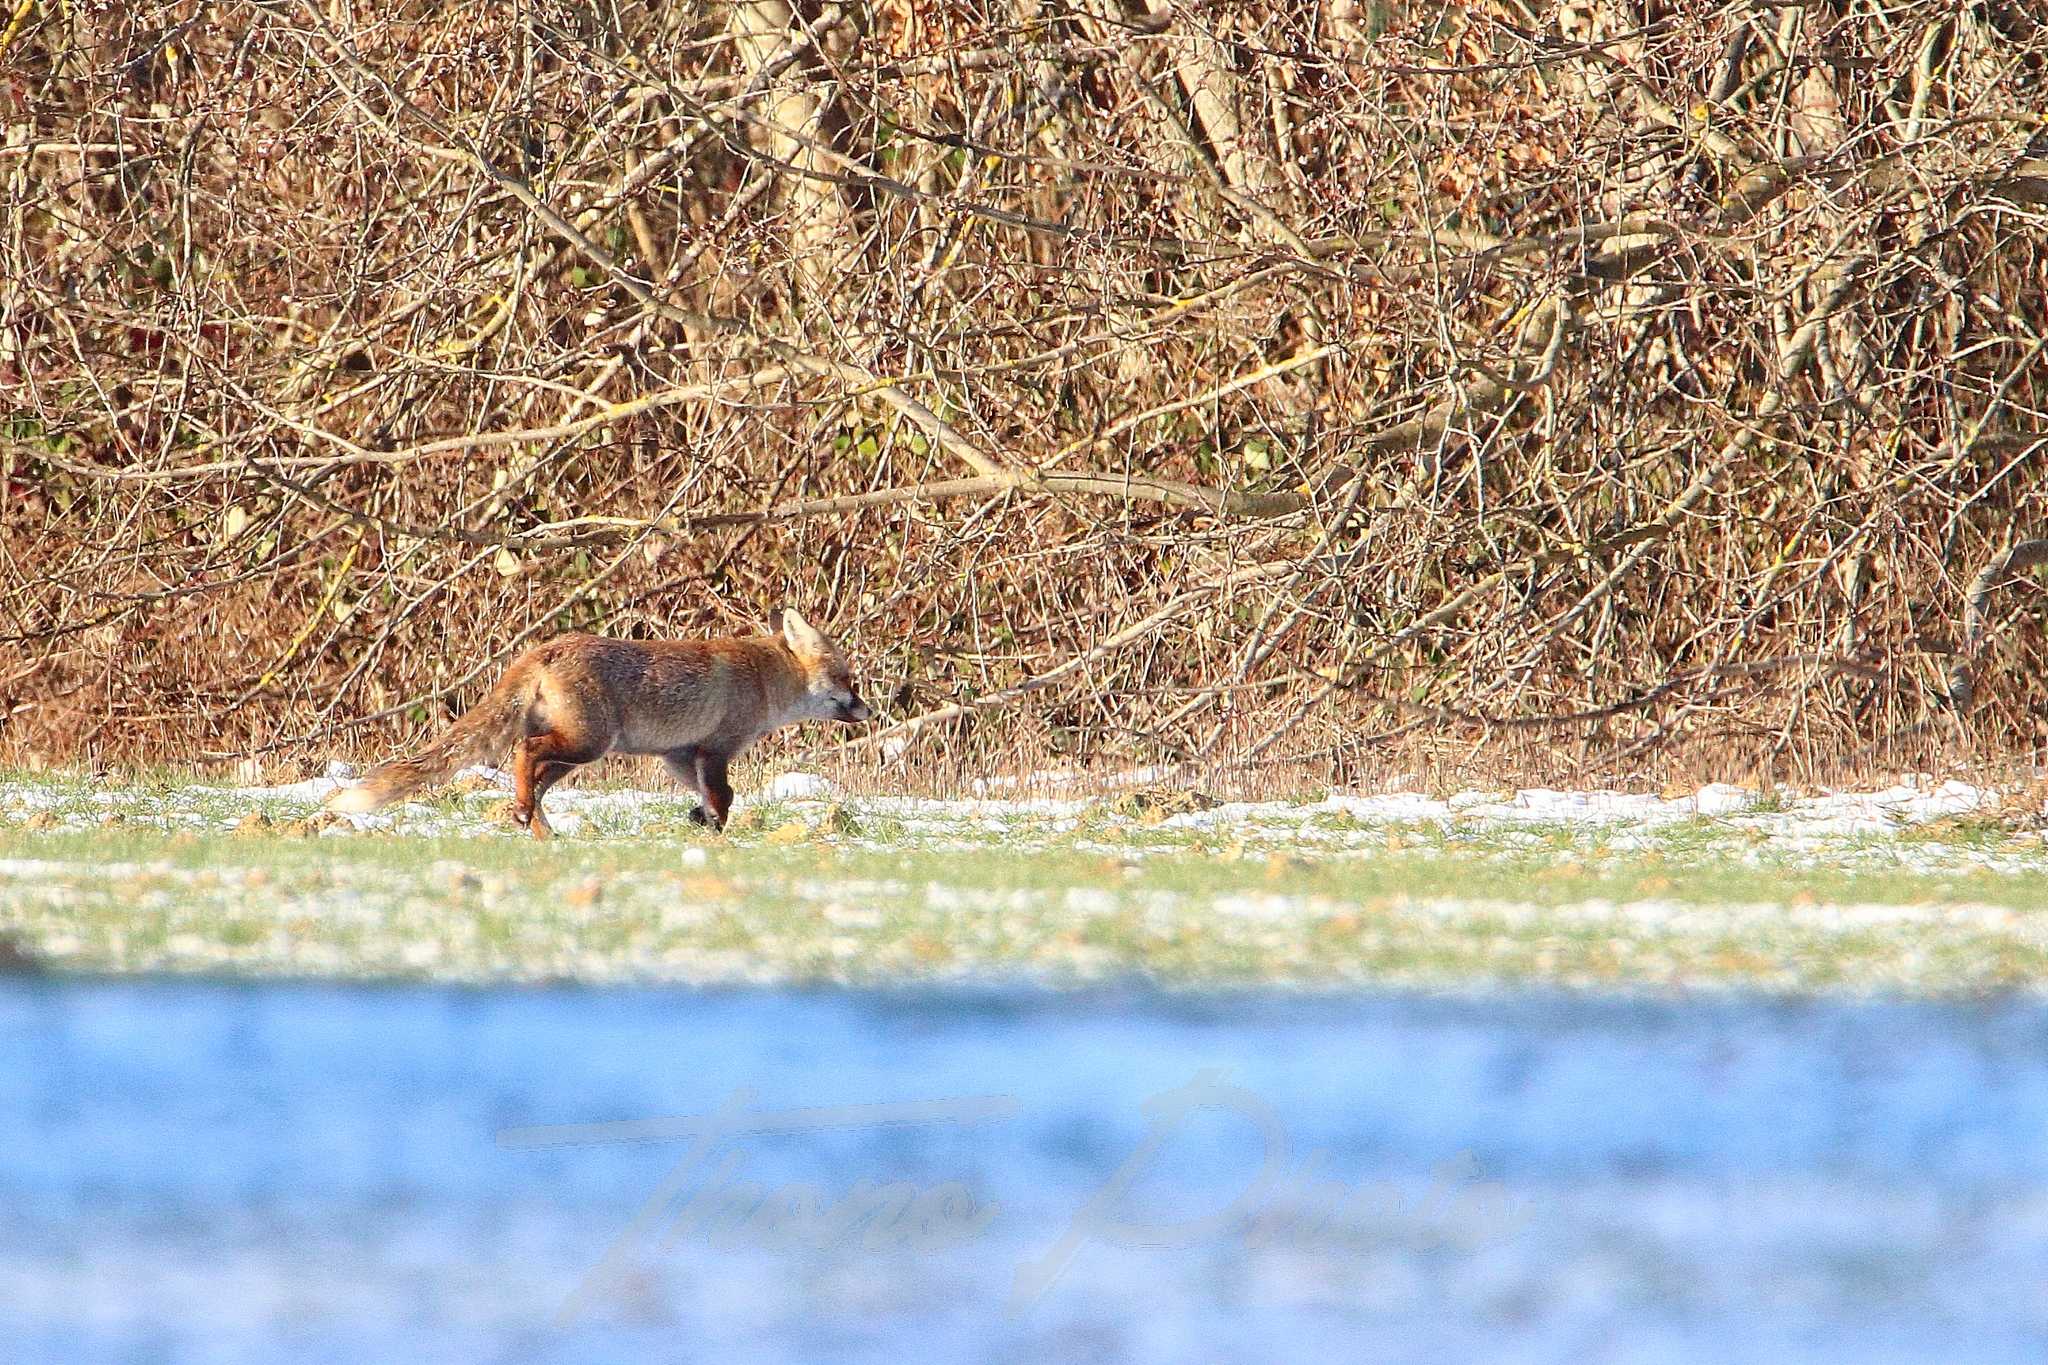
<point x="230" y="1173"/>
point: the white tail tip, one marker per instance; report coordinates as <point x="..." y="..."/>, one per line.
<point x="353" y="801"/>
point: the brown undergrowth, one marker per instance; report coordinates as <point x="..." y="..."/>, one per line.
<point x="1289" y="394"/>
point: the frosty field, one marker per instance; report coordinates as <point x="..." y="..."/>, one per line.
<point x="1918" y="889"/>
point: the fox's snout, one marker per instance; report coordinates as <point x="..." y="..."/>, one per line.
<point x="854" y="712"/>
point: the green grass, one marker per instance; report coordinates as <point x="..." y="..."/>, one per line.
<point x="147" y="877"/>
<point x="810" y="895"/>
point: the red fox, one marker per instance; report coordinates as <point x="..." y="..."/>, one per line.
<point x="576" y="698"/>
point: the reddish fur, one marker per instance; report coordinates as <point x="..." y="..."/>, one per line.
<point x="576" y="698"/>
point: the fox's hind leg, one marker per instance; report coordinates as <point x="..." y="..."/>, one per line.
<point x="541" y="761"/>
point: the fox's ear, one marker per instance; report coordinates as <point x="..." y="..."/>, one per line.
<point x="799" y="633"/>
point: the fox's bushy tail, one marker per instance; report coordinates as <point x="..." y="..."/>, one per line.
<point x="484" y="731"/>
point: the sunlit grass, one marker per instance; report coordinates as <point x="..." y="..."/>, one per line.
<point x="804" y="891"/>
<point x="165" y="877"/>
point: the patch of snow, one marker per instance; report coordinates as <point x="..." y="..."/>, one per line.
<point x="799" y="787"/>
<point x="1229" y="813"/>
<point x="312" y="791"/>
<point x="1722" y="798"/>
<point x="1405" y="807"/>
<point x="627" y="802"/>
<point x="1835" y="813"/>
<point x="1046" y="779"/>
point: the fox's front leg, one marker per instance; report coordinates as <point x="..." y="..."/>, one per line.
<point x="682" y="766"/>
<point x="525" y="808"/>
<point x="717" y="791"/>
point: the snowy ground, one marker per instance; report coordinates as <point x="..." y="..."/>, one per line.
<point x="1824" y="823"/>
<point x="1923" y="887"/>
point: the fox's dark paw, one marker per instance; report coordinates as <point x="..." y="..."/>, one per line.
<point x="698" y="817"/>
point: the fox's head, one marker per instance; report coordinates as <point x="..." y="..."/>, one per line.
<point x="828" y="682"/>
